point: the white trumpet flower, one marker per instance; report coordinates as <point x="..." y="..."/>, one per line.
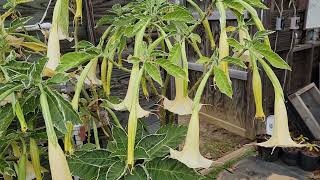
<point x="182" y="104"/>
<point x="280" y="133"/>
<point x="58" y="31"/>
<point x="190" y="155"/>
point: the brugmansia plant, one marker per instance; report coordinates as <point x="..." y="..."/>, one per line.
<point x="150" y="40"/>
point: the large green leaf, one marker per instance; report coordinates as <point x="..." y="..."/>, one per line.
<point x="8" y="88"/>
<point x="72" y="60"/>
<point x="180" y="15"/>
<point x="91" y="164"/>
<point x="106" y="20"/>
<point x="6" y="168"/>
<point x="138" y="173"/>
<point x="234" y="5"/>
<point x="154" y="72"/>
<point x="171" y="170"/>
<point x="38" y="69"/>
<point x="171" y="68"/>
<point x="18" y="70"/>
<point x="158" y="144"/>
<point x="235" y="44"/>
<point x="58" y="78"/>
<point x="256" y="3"/>
<point x="115" y="171"/>
<point x="118" y="146"/>
<point x="61" y="110"/>
<point x="274" y="59"/>
<point x="235" y="61"/>
<point x="175" y="54"/>
<point x="223" y="82"/>
<point x="6" y="117"/>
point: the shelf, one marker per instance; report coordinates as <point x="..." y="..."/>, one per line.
<point x="301" y="47"/>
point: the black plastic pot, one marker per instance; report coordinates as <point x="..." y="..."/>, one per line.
<point x="308" y="162"/>
<point x="289" y="157"/>
<point x="266" y="153"/>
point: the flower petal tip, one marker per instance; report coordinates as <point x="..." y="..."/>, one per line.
<point x="191" y="160"/>
<point x="179" y="106"/>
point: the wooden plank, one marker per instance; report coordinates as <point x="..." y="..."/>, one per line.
<point x="229" y="157"/>
<point x="223" y="124"/>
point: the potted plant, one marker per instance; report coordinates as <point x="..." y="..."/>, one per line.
<point x="291" y="155"/>
<point x="265" y="153"/>
<point x="309" y="157"/>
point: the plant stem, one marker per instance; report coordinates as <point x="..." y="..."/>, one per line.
<point x="75" y="100"/>
<point x="96" y="135"/>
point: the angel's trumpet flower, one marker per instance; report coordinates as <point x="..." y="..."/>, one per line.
<point x="35" y="159"/>
<point x="182" y="104"/>
<point x="57" y="160"/>
<point x="91" y="76"/>
<point x="257" y="89"/>
<point x="280" y="132"/>
<point x="58" y="31"/>
<point x="127" y="103"/>
<point x="244" y="34"/>
<point x="190" y="155"/>
<point x="133" y="119"/>
<point x="223" y="41"/>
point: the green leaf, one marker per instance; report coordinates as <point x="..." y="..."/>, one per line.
<point x="235" y="61"/>
<point x="8" y="88"/>
<point x="180" y="15"/>
<point x="106" y="20"/>
<point x="58" y="78"/>
<point x="203" y="60"/>
<point x="6" y="117"/>
<point x="261" y="35"/>
<point x="154" y="72"/>
<point x="274" y="59"/>
<point x="62" y="110"/>
<point x="171" y="169"/>
<point x="158" y="144"/>
<point x="222" y="82"/>
<point x="116" y="170"/>
<point x="256" y="3"/>
<point x="171" y="68"/>
<point x="138" y="173"/>
<point x="234" y="5"/>
<point x="90" y="164"/>
<point x="235" y="44"/>
<point x="38" y="69"/>
<point x="195" y="37"/>
<point x="121" y="153"/>
<point x="72" y="60"/>
<point x="6" y="168"/>
<point x="135" y="29"/>
<point x="85" y="45"/>
<point x="175" y="53"/>
<point x="18" y="70"/>
<point x="119" y="139"/>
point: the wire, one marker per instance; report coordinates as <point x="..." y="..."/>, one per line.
<point x="45" y="12"/>
<point x="291" y="45"/>
<point x="280" y="10"/>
